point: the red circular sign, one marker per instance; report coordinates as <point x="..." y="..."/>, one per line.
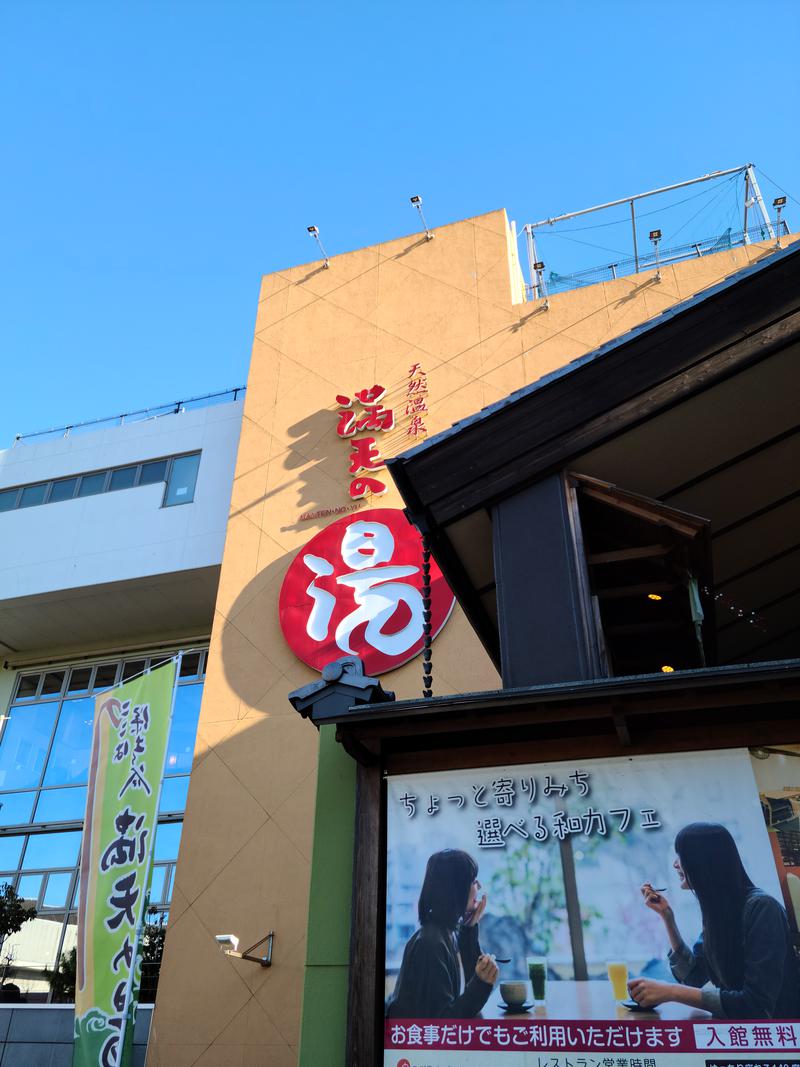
<point x="356" y="590"/>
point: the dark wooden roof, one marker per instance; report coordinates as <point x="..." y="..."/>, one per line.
<point x="697" y="407"/>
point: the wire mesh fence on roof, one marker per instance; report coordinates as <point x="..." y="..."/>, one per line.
<point x="562" y="283"/>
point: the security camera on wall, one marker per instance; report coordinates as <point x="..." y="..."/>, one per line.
<point x="227" y="942"/>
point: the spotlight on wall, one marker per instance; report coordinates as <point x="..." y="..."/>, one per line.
<point x="654" y="596"/>
<point x="666" y="669"/>
<point x="540" y="286"/>
<point x="228" y="945"/>
<point x="313" y="230"/>
<point x="779" y="203"/>
<point x="417" y="202"/>
<point x="655" y="237"/>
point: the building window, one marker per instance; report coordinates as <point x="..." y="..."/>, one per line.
<point x="182" y="479"/>
<point x="44" y="755"/>
<point x="179" y="473"/>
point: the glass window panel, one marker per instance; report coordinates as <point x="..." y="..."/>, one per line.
<point x="15" y="808"/>
<point x="55" y="895"/>
<point x="8" y="499"/>
<point x="92" y="484"/>
<point x="59" y="805"/>
<point x="123" y="478"/>
<point x="131" y="668"/>
<point x="34" y="948"/>
<point x="52" y="850"/>
<point x="153" y="472"/>
<point x="10" y="850"/>
<point x="33" y="494"/>
<point x="69" y="756"/>
<point x="106" y="676"/>
<point x="28" y="684"/>
<point x="63" y="991"/>
<point x="173" y="794"/>
<point x="190" y="664"/>
<point x="24" y="744"/>
<point x="180" y="747"/>
<point x="168" y="838"/>
<point x="80" y="680"/>
<point x="182" y="480"/>
<point x="30" y="886"/>
<point x="63" y="489"/>
<point x="157" y="885"/>
<point x="53" y="681"/>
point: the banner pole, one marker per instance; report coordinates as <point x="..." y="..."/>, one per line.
<point x="137" y="938"/>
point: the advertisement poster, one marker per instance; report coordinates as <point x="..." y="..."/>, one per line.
<point x="623" y="912"/>
<point x="129" y="743"/>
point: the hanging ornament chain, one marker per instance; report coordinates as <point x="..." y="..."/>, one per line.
<point x="427" y="666"/>
<point x="746" y="615"/>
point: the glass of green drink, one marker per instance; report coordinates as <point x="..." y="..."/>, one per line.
<point x="537" y="972"/>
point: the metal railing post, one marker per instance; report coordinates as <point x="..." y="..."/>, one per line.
<point x="635" y="245"/>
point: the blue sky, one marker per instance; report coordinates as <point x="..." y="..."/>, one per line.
<point x="159" y="157"/>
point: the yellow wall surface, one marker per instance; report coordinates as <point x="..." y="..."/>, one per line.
<point x="449" y="305"/>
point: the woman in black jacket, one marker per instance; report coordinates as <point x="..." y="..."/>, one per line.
<point x="743" y="965"/>
<point x="429" y="985"/>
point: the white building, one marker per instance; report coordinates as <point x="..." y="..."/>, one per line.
<point x="111" y="539"/>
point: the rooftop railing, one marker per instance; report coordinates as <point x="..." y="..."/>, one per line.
<point x="177" y="407"/>
<point x="563" y="283"/>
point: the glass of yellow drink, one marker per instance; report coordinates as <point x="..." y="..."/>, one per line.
<point x="618" y="977"/>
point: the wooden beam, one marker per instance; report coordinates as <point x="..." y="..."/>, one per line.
<point x="364" y="1033"/>
<point x="619" y="592"/>
<point x="622" y="555"/>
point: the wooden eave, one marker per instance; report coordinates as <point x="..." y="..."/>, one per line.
<point x="752" y="704"/>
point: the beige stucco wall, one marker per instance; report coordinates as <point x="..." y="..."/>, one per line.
<point x="449" y="304"/>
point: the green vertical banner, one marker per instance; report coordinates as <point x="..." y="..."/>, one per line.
<point x="129" y="744"/>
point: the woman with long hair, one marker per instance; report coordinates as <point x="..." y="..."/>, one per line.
<point x="743" y="966"/>
<point x="429" y="985"/>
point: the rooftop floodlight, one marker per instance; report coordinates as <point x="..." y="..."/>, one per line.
<point x="314" y="231"/>
<point x="228" y="945"/>
<point x="538" y="265"/>
<point x="779" y="203"/>
<point x="655" y="237"/>
<point x="417" y="202"/>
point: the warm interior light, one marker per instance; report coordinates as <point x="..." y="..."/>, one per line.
<point x="654" y="596"/>
<point x="666" y="669"/>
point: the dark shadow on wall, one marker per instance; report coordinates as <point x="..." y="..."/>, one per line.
<point x="262" y="884"/>
<point x="252" y="632"/>
<point x="310" y="440"/>
<point x="314" y="438"/>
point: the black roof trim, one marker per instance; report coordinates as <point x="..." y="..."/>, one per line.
<point x="457" y="471"/>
